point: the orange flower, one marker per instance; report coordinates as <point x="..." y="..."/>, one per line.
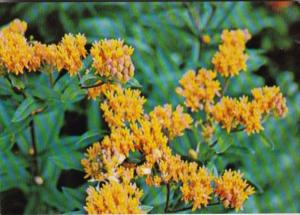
<point x="70" y="52"/>
<point x="174" y="122"/>
<point x="232" y="189"/>
<point x="122" y="105"/>
<point x="114" y="198"/>
<point x="15" y="53"/>
<point x="231" y="59"/>
<point x="111" y="58"/>
<point x="199" y="89"/>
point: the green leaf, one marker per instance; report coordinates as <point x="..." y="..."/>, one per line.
<point x="256" y="59"/>
<point x="89" y="79"/>
<point x="133" y="83"/>
<point x="146" y="208"/>
<point x="67" y="159"/>
<point x="73" y="93"/>
<point x="94" y="119"/>
<point x="252" y="180"/>
<point x="25" y="109"/>
<point x="53" y="197"/>
<point x="88" y="138"/>
<point x="5" y="88"/>
<point x="212" y="168"/>
<point x="13" y="171"/>
<point x="74" y="197"/>
<point x="267" y="141"/>
<point x="16" y="82"/>
<point x="47" y="127"/>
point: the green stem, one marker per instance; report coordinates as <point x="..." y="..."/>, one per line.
<point x="51" y="79"/>
<point x="190" y="207"/>
<point x="167" y="198"/>
<point x="226" y="83"/>
<point x="90" y="86"/>
<point x="35" y="160"/>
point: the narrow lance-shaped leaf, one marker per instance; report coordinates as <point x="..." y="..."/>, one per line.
<point x="25" y="109"/>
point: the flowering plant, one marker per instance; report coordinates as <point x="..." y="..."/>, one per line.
<point x="137" y="146"/>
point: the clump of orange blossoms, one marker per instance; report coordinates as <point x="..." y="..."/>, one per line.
<point x="232" y="189"/>
<point x="122" y="105"/>
<point x="111" y="58"/>
<point x="101" y="163"/>
<point x="120" y="141"/>
<point x="15" y="52"/>
<point x="199" y="88"/>
<point x="114" y="198"/>
<point x="70" y="52"/>
<point x="16" y="26"/>
<point x="149" y="135"/>
<point x="231" y="59"/>
<point x="270" y="99"/>
<point x="173" y="122"/>
<point x="196" y="185"/>
<point x="149" y="138"/>
<point x="231" y="112"/>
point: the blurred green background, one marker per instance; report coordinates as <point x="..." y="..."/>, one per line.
<point x="167" y="42"/>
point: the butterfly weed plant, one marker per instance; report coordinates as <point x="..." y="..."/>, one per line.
<point x="137" y="145"/>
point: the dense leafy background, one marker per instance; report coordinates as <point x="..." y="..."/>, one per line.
<point x="166" y="42"/>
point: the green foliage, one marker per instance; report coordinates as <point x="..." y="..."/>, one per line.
<point x="167" y="43"/>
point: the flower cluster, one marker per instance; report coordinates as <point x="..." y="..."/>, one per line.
<point x="231" y="59"/>
<point x="199" y="89"/>
<point x="111" y="58"/>
<point x="15" y="52"/>
<point x="101" y="163"/>
<point x="173" y="122"/>
<point x="232" y="189"/>
<point x="16" y="26"/>
<point x="122" y="105"/>
<point x="270" y="99"/>
<point x="232" y="112"/>
<point x="70" y="52"/>
<point x="114" y="198"/>
<point x="110" y="161"/>
<point x="150" y="135"/>
<point x="18" y="55"/>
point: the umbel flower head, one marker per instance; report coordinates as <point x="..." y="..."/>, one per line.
<point x="44" y="55"/>
<point x="101" y="163"/>
<point x="111" y="58"/>
<point x="231" y="59"/>
<point x="15" y="26"/>
<point x="231" y="112"/>
<point x="198" y="88"/>
<point x="232" y="189"/>
<point x="15" y="53"/>
<point x="149" y="138"/>
<point x="196" y="184"/>
<point x="119" y="141"/>
<point x="173" y="122"/>
<point x="122" y="105"/>
<point x="270" y="99"/>
<point x="114" y="198"/>
<point x="70" y="52"/>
